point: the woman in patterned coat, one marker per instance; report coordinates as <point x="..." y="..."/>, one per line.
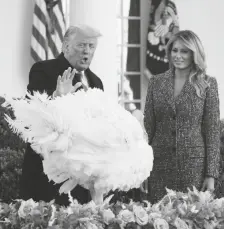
<point x="181" y="119"/>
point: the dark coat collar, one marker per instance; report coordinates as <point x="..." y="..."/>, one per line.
<point x="64" y="63"/>
<point x="167" y="88"/>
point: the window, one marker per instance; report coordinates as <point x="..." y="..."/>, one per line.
<point x="129" y="45"/>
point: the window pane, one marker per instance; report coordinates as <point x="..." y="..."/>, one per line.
<point x="132" y="59"/>
<point x="131" y="8"/>
<point x="119" y="87"/>
<point x="118" y="59"/>
<point x="131" y="87"/>
<point x="135" y="85"/>
<point x="119" y="31"/>
<point x="126" y="7"/>
<point x="132" y="31"/>
<point x="132" y="106"/>
<point x="125" y="31"/>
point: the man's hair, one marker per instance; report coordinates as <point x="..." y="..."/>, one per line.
<point x="69" y="33"/>
<point x="80" y="30"/>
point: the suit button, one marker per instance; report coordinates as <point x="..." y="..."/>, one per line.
<point x="174" y="117"/>
<point x="174" y="148"/>
<point x="173" y="132"/>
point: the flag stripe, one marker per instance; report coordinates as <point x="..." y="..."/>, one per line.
<point x="52" y="46"/>
<point x="38" y="48"/>
<point x="39" y="25"/>
<point x="46" y="44"/>
<point x="41" y="40"/>
<point x="60" y="17"/>
<point x="58" y="42"/>
<point x="34" y="55"/>
<point x="61" y="11"/>
<point x="40" y="14"/>
<point x="50" y="54"/>
<point x="57" y="26"/>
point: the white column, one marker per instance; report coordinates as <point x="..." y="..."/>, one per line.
<point x="16" y="22"/>
<point x="100" y="14"/>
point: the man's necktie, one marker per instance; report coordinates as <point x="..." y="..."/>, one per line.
<point x="77" y="78"/>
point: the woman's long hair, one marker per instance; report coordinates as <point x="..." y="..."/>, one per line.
<point x="198" y="76"/>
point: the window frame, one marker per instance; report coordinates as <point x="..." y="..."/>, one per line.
<point x="123" y="72"/>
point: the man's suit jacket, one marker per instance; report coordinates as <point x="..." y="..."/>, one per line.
<point x="34" y="183"/>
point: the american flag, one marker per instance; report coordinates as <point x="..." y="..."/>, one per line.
<point x="48" y="29"/>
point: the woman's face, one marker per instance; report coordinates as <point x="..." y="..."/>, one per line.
<point x="181" y="56"/>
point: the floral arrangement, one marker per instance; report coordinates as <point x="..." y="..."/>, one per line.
<point x="191" y="210"/>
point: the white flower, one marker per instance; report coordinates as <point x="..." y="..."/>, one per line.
<point x="92" y="226"/>
<point x="170" y="192"/>
<point x="152" y="38"/>
<point x="194" y="210"/>
<point x="148" y="206"/>
<point x="126" y="216"/>
<point x="53" y="216"/>
<point x="7" y="220"/>
<point x="140" y="215"/>
<point x="107" y="216"/>
<point x="182" y="208"/>
<point x="180" y="224"/>
<point x="26" y="208"/>
<point x="154" y="215"/>
<point x="87" y="225"/>
<point x="160" y="224"/>
<point x="88" y="209"/>
<point x="4" y="208"/>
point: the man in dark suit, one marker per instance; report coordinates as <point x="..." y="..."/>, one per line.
<point x="65" y="74"/>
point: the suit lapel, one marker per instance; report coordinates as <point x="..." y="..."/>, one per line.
<point x="167" y="89"/>
<point x="92" y="80"/>
<point x="63" y="64"/>
<point x="187" y="92"/>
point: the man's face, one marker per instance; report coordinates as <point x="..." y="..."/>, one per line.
<point x="81" y="52"/>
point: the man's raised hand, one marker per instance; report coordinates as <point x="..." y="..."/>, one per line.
<point x="64" y="83"/>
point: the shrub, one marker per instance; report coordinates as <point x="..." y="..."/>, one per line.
<point x="12" y="150"/>
<point x="10" y="172"/>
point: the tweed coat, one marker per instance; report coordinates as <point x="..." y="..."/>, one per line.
<point x="184" y="134"/>
<point x="34" y="183"/>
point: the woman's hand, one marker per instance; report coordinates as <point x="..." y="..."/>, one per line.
<point x="144" y="186"/>
<point x="208" y="184"/>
